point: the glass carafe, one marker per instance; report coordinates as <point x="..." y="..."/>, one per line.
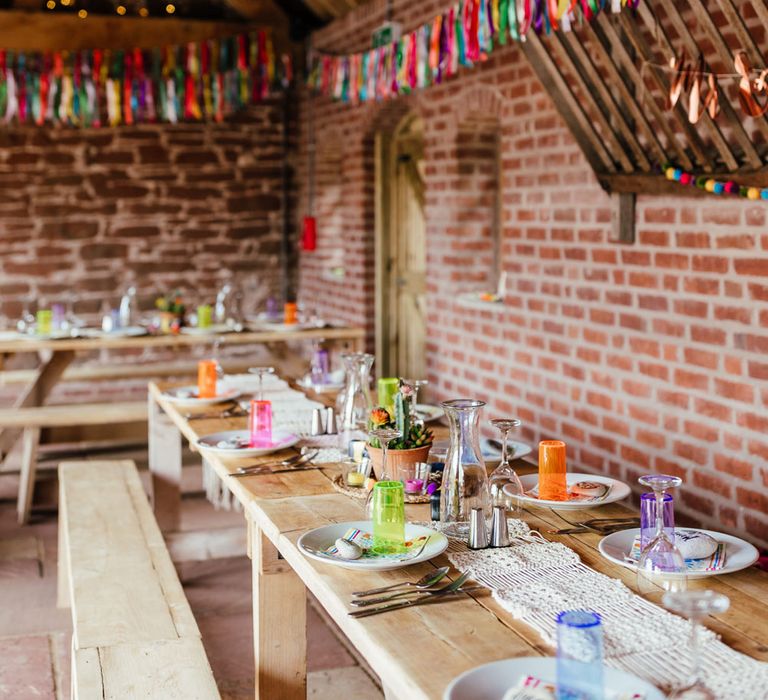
<point x="465" y="479"/>
<point x="356" y="403"/>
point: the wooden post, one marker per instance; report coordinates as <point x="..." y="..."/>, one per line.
<point x="622" y="217"/>
<point x="279" y="624"/>
<point x="165" y="465"/>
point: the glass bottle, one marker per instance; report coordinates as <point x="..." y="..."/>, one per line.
<point x="465" y="479"/>
<point x="356" y="405"/>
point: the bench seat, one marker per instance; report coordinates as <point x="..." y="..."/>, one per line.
<point x="134" y="634"/>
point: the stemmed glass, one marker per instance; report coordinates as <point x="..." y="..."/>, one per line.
<point x="661" y="566"/>
<point x="384" y="436"/>
<point x="261" y="371"/>
<point x="504" y="483"/>
<point x="695" y="605"/>
<point x="416" y="384"/>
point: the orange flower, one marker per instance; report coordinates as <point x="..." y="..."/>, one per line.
<point x="379" y="417"/>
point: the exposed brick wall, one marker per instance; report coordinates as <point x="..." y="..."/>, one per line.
<point x="85" y="212"/>
<point x="649" y="357"/>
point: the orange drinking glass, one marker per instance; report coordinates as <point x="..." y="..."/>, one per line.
<point x="289" y="311"/>
<point x="206" y="379"/>
<point x="552" y="483"/>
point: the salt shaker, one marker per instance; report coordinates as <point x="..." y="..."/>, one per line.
<point x="499" y="529"/>
<point x="478" y="530"/>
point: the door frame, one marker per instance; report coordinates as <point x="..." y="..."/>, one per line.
<point x="385" y="143"/>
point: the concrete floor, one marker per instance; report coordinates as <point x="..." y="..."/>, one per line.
<point x="35" y="635"/>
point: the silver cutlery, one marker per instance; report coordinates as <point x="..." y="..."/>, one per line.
<point x="453" y="589"/>
<point x="425" y="581"/>
<point x="432" y="590"/>
<point x="267" y="470"/>
<point x="295" y="461"/>
<point x="423" y="593"/>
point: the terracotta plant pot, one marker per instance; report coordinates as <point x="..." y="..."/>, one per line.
<point x="397" y="459"/>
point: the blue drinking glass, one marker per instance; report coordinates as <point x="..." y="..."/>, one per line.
<point x="579" y="656"/>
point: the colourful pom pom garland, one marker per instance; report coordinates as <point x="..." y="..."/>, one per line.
<point x="709" y="184"/>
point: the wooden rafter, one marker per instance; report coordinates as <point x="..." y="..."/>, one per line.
<point x="584" y="64"/>
<point x="568" y="105"/>
<point x="628" y="99"/>
<point x="739" y="133"/>
<point x="600" y="112"/>
<point x="606" y="33"/>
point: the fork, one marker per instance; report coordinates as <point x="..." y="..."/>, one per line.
<point x="453" y="589"/>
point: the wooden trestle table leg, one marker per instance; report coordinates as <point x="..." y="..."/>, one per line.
<point x="36" y="392"/>
<point x="279" y="623"/>
<point x="165" y="466"/>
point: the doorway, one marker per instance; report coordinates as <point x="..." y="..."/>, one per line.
<point x="401" y="251"/>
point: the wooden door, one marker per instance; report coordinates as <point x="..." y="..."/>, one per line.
<point x="401" y="338"/>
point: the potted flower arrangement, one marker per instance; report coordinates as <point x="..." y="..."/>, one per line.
<point x="172" y="309"/>
<point x="416" y="440"/>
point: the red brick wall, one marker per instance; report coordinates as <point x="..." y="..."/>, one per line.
<point x="648" y="357"/>
<point x="85" y="212"/>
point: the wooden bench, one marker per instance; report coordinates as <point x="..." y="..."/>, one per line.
<point x="34" y="418"/>
<point x="134" y="635"/>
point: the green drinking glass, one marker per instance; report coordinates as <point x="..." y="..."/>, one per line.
<point x="204" y="313"/>
<point x="388" y="515"/>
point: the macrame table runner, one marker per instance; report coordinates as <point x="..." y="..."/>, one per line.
<point x="535" y="579"/>
<point x="291" y="410"/>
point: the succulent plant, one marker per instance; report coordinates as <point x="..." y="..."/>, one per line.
<point x="414" y="435"/>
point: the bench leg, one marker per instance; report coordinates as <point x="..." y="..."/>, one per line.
<point x="279" y="624"/>
<point x="165" y="465"/>
<point x="31" y="441"/>
<point x="62" y="563"/>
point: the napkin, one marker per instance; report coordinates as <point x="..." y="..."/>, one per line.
<point x="711" y="563"/>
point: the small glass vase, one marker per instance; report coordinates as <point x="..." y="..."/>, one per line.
<point x="465" y="479"/>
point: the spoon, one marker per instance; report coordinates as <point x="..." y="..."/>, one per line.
<point x="377" y="600"/>
<point x="425" y="581"/>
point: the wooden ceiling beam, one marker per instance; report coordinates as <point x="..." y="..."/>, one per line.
<point x="751" y="157"/>
<point x="57" y="31"/>
<point x="611" y="40"/>
<point x="628" y="98"/>
<point x="718" y="139"/>
<point x="642" y="183"/>
<point x="583" y="64"/>
<point x="567" y="105"/>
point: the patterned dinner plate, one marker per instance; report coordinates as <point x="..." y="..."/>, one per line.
<point x="738" y="553"/>
<point x="236" y="443"/>
<point x="497" y="680"/>
<point x="614" y="490"/>
<point x="187" y="397"/>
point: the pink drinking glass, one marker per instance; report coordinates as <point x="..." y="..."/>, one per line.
<point x="260" y="423"/>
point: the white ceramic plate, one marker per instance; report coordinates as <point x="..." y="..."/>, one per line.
<point x="10" y="335"/>
<point x="214" y="329"/>
<point x="738" y="553"/>
<point x="330" y="387"/>
<point x="281" y="439"/>
<point x="127" y="332"/>
<point x="429" y="412"/>
<point x="323" y="537"/>
<point x="186" y="396"/>
<point x="56" y="335"/>
<point x="269" y="326"/>
<point x="492" y="681"/>
<point x="515" y="450"/>
<point x="618" y="491"/>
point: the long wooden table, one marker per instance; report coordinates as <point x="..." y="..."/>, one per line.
<point x="416" y="652"/>
<point x="56" y="355"/>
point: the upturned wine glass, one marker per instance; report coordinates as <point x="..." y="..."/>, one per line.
<point x="695" y="605"/>
<point x="504" y="483"/>
<point x="661" y="566"/>
<point x="261" y="371"/>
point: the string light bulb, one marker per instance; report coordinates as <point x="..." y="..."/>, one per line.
<point x="143" y="12"/>
<point x="170" y="8"/>
<point x="120" y="9"/>
<point x="51" y="4"/>
<point x="82" y="14"/>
